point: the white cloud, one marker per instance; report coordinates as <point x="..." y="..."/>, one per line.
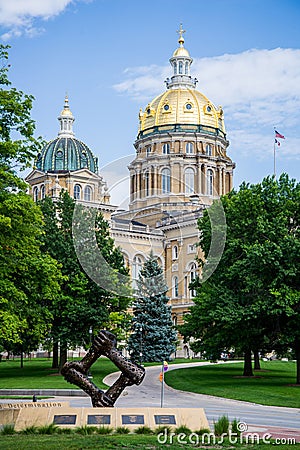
<point x="19" y="16"/>
<point x="258" y="89"/>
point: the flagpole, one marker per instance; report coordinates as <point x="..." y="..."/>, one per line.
<point x="274" y="160"/>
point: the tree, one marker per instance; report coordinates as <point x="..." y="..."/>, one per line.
<point x="254" y="292"/>
<point x="29" y="280"/>
<point x="153" y="337"/>
<point x="83" y="303"/>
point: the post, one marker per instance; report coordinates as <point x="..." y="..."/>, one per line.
<point x="141" y="345"/>
<point x="274" y="151"/>
<point x="89" y="375"/>
<point x="162" y="385"/>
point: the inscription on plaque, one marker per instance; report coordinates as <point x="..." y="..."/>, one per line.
<point x="60" y="419"/>
<point x="133" y="419"/>
<point x="165" y="420"/>
<point x="98" y="419"/>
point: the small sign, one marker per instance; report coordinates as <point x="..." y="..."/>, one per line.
<point x="165" y="420"/>
<point x="166" y="366"/>
<point x="99" y="419"/>
<point x="65" y="419"/>
<point x="133" y="419"/>
<point x="161" y="376"/>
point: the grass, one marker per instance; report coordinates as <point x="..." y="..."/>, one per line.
<point x="131" y="441"/>
<point x="270" y="388"/>
<point x="38" y="374"/>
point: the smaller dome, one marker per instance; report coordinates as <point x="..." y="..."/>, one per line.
<point x="66" y="112"/>
<point x="181" y="51"/>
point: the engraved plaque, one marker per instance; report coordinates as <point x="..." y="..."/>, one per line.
<point x="60" y="419"/>
<point x="165" y="420"/>
<point x="133" y="419"/>
<point x="98" y="419"/>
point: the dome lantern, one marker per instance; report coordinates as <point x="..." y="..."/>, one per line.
<point x="181" y="63"/>
<point x="66" y="120"/>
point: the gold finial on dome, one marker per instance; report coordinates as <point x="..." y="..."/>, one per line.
<point x="66" y="111"/>
<point x="181" y="38"/>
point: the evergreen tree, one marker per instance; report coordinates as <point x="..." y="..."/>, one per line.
<point x="153" y="337"/>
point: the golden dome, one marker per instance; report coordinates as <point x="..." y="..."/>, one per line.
<point x="66" y="111"/>
<point x="181" y="51"/>
<point x="184" y="107"/>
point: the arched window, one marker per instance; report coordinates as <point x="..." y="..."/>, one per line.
<point x="193" y="275"/>
<point x="174" y="321"/>
<point x="180" y="67"/>
<point x="166" y="149"/>
<point x="175" y="287"/>
<point x="175" y="252"/>
<point x="137" y="265"/>
<point x="77" y="192"/>
<point x="189" y="148"/>
<point x="165" y="181"/>
<point x="210" y="182"/>
<point x="189" y="180"/>
<point x="186" y="68"/>
<point x="208" y="150"/>
<point x="88" y="193"/>
<point x="147" y="183"/>
<point x="43" y="191"/>
<point x="35" y="193"/>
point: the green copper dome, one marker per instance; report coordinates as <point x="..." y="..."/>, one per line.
<point x="66" y="153"/>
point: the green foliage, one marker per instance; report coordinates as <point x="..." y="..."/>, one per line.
<point x="251" y="302"/>
<point x="30" y="430"/>
<point x="84" y="303"/>
<point x="50" y="428"/>
<point x="152" y="332"/>
<point x="221" y="426"/>
<point x="183" y="429"/>
<point x="86" y="430"/>
<point x="104" y="430"/>
<point x="235" y="427"/>
<point x="122" y="430"/>
<point x="29" y="280"/>
<point x="7" y="429"/>
<point x="143" y="430"/>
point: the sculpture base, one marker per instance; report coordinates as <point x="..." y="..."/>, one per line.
<point x="132" y="418"/>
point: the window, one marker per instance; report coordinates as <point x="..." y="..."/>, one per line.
<point x="189" y="177"/>
<point x="175" y="287"/>
<point x="193" y="275"/>
<point x="77" y="192"/>
<point x="165" y="181"/>
<point x="88" y="193"/>
<point x="210" y="182"/>
<point x="166" y="149"/>
<point x="175" y="321"/>
<point x="180" y="67"/>
<point x="43" y="191"/>
<point x="186" y="68"/>
<point x="191" y="248"/>
<point x="147" y="183"/>
<point x="208" y="150"/>
<point x="175" y="252"/>
<point x="35" y="194"/>
<point x="148" y="150"/>
<point x="189" y="148"/>
<point x="137" y="265"/>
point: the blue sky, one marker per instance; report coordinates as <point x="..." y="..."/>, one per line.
<point x="111" y="56"/>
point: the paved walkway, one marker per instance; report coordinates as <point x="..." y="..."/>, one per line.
<point x="277" y="421"/>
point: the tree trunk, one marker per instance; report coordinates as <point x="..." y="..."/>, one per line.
<point x="247" y="364"/>
<point x="256" y="360"/>
<point x="55" y="356"/>
<point x="297" y="351"/>
<point x="63" y="356"/>
<point x="22" y="361"/>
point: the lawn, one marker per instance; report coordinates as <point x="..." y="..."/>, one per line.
<point x="74" y="442"/>
<point x="273" y="385"/>
<point x="37" y="374"/>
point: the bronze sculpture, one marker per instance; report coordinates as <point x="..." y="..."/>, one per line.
<point x="76" y="372"/>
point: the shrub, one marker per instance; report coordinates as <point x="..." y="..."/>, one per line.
<point x="104" y="430"/>
<point x="7" y="429"/>
<point x="143" y="430"/>
<point x="51" y="428"/>
<point x="203" y="431"/>
<point x="30" y="430"/>
<point x="183" y="429"/>
<point x="86" y="430"/>
<point x="122" y="430"/>
<point x="221" y="426"/>
<point x="162" y="429"/>
<point x="235" y="427"/>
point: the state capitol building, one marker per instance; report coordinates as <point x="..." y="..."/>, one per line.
<point x="180" y="166"/>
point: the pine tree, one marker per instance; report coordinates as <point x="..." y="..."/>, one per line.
<point x="153" y="337"/>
